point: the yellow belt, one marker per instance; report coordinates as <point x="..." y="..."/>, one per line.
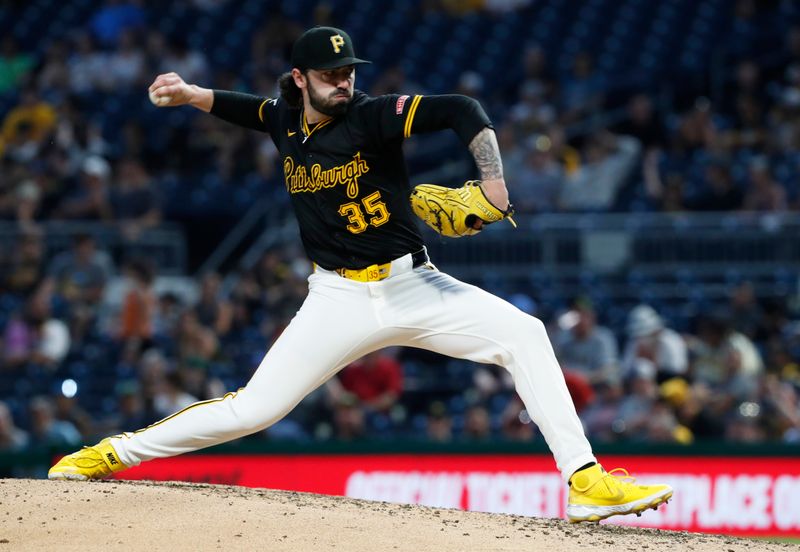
<point x="372" y="273"/>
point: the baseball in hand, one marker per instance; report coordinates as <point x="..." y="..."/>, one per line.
<point x="159" y="101"/>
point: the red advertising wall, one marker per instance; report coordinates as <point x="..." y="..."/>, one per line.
<point x="743" y="496"/>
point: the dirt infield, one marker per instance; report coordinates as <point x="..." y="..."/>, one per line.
<point x="114" y="515"/>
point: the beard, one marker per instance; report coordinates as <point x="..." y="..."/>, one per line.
<point x="328" y="106"/>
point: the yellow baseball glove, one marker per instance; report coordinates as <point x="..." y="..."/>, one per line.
<point x="455" y="212"/>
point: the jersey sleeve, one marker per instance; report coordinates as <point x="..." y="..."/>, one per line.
<point x="395" y="116"/>
<point x="247" y="110"/>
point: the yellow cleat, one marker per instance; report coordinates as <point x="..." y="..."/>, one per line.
<point x="94" y="462"/>
<point x="595" y="494"/>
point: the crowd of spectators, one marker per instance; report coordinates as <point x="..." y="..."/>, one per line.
<point x="92" y="369"/>
<point x="75" y="367"/>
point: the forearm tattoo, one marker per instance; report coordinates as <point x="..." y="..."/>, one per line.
<point x="486" y="152"/>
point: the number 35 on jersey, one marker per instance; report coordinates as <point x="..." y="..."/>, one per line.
<point x="371" y="211"/>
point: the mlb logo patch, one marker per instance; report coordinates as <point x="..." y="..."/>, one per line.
<point x="401" y="102"/>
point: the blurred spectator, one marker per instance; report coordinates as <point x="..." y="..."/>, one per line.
<point x="67" y="409"/>
<point x="133" y="200"/>
<point x="12" y="438"/>
<point x="276" y="36"/>
<point x="534" y="112"/>
<point x="138" y="309"/>
<point x="24" y="270"/>
<point x="439" y="423"/>
<point x="79" y="277"/>
<point x="195" y="342"/>
<point x="600" y="417"/>
<point x="14" y="65"/>
<point x="376" y="380"/>
<point x="747" y="83"/>
<point x="697" y="408"/>
<point x="666" y="194"/>
<point x="745" y="313"/>
<point x="662" y="426"/>
<point x="513" y="155"/>
<point x="46" y="430"/>
<point x="197" y="380"/>
<point x="77" y="140"/>
<point x="190" y="64"/>
<point x="323" y="15"/>
<point x="28" y="198"/>
<point x="25" y="127"/>
<point x="643" y="123"/>
<point x="637" y="407"/>
<point x="88" y="66"/>
<point x="143" y="151"/>
<point x="720" y="192"/>
<point x="165" y="319"/>
<point x="723" y="356"/>
<point x="749" y="130"/>
<point x="54" y="74"/>
<point x="650" y="339"/>
<point x="744" y="33"/>
<point x="537" y="72"/>
<point x="171" y="397"/>
<point x="583" y="346"/>
<point x="608" y="161"/>
<point x="568" y="156"/>
<point x="540" y="180"/>
<point x="80" y="274"/>
<point x="151" y="369"/>
<point x="471" y="84"/>
<point x="477" y="423"/>
<point x="126" y="64"/>
<point x="129" y="412"/>
<point x="582" y="90"/>
<point x="35" y="337"/>
<point x="348" y="418"/>
<point x="91" y="200"/>
<point x="696" y="129"/>
<point x="763" y="192"/>
<point x="579" y="389"/>
<point x="213" y="310"/>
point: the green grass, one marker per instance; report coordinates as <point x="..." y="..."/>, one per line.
<point x="789" y="540"/>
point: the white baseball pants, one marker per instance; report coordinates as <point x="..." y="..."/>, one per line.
<point x="341" y="320"/>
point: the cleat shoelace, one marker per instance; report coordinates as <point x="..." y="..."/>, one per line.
<point x="626" y="478"/>
<point x="618" y="478"/>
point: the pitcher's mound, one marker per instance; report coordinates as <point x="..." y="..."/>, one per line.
<point x="115" y="515"/>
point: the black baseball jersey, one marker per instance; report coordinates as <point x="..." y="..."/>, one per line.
<point x="346" y="175"/>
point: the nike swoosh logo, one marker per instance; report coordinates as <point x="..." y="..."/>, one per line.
<point x="290" y="133"/>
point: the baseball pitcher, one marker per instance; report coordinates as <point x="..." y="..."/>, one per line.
<point x="373" y="285"/>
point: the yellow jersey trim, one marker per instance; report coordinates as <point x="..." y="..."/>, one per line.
<point x="410" y="118"/>
<point x="308" y="132"/>
<point x="261" y="110"/>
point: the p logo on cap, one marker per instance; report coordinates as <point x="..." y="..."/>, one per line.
<point x="337" y="42"/>
<point x="324" y="48"/>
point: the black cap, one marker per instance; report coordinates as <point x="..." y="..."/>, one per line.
<point x="324" y="48"/>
